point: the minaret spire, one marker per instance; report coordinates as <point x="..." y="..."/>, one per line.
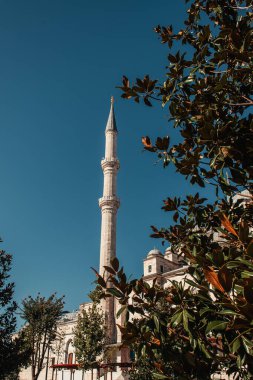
<point x="109" y="205"/>
<point x="111" y="123"/>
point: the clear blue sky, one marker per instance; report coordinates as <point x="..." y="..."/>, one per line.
<point x="60" y="63"/>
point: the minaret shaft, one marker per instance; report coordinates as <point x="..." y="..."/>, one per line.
<point x="108" y="238"/>
<point x="109" y="183"/>
<point x="111" y="145"/>
<point x="109" y="205"/>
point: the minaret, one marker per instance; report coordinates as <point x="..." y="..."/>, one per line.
<point x="109" y="205"/>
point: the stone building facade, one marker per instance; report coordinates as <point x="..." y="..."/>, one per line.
<point x="164" y="267"/>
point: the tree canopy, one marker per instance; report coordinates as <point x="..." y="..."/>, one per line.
<point x="13" y="354"/>
<point x="89" y="336"/>
<point x="40" y="330"/>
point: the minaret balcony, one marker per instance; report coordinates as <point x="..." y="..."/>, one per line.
<point x="110" y="162"/>
<point x="109" y="201"/>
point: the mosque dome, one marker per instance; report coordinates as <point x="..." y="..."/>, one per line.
<point x="154" y="252"/>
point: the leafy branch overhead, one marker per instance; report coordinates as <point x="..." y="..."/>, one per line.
<point x="207" y="90"/>
<point x="204" y="324"/>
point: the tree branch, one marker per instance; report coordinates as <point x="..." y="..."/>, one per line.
<point x="241" y="104"/>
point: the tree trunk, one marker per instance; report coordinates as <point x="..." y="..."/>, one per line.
<point x="47" y="363"/>
<point x="34" y="374"/>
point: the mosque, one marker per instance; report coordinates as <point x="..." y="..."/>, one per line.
<point x="60" y="363"/>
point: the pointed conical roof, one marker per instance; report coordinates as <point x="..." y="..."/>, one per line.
<point x="111" y="123"/>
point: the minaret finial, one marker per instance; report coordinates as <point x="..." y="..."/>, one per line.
<point x="112" y="100"/>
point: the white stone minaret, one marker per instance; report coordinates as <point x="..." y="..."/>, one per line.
<point x="109" y="205"/>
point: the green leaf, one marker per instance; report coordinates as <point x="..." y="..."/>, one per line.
<point x="195" y="285"/>
<point x="248" y="345"/>
<point x="185" y="320"/>
<point x="236" y="345"/>
<point x="143" y="351"/>
<point x="246" y="262"/>
<point x="114" y="292"/>
<point x="121" y="310"/>
<point x="159" y="376"/>
<point x="239" y="361"/>
<point x="246" y="274"/>
<point x="227" y="312"/>
<point x="177" y="318"/>
<point x="204" y="310"/>
<point x="216" y="325"/>
<point x="157" y="323"/>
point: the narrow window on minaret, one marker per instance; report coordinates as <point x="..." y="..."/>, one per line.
<point x="161" y="268"/>
<point x="149" y="268"/>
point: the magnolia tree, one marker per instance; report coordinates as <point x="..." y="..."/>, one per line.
<point x="203" y="325"/>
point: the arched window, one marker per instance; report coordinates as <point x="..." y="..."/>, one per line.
<point x="149" y="268"/>
<point x="67" y="349"/>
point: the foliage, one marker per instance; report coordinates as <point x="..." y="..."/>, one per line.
<point x="95" y="294"/>
<point x="207" y="90"/>
<point x="13" y="354"/>
<point x="89" y="336"/>
<point x="204" y="324"/>
<point x="142" y="370"/>
<point x="41" y="316"/>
